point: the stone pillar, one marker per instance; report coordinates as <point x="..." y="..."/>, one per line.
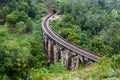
<point x="87" y="62"/>
<point x="50" y="54"/>
<point x="59" y="52"/>
<point x="74" y="62"/>
<point x="64" y="58"/>
<point x="55" y="51"/>
<point x="45" y="41"/>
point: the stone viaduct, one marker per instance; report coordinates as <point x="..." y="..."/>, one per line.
<point x="59" y="49"/>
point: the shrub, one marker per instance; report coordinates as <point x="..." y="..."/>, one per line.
<point x="21" y="27"/>
<point x="116" y="61"/>
<point x="57" y="67"/>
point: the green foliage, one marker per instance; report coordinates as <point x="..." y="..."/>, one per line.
<point x="23" y="6"/>
<point x="98" y="71"/>
<point x="101" y="3"/>
<point x="45" y="73"/>
<point x="40" y="77"/>
<point x="99" y="31"/>
<point x="57" y="67"/>
<point x="108" y="40"/>
<point x="15" y="58"/>
<point x="116" y="61"/>
<point x="32" y="12"/>
<point x="68" y="19"/>
<point x="21" y="27"/>
<point x="20" y="44"/>
<point x="3" y="34"/>
<point x="114" y="13"/>
<point x="17" y="16"/>
<point x="5" y="10"/>
<point x="92" y="24"/>
<point x="20" y="21"/>
<point x="70" y="35"/>
<point x="84" y="38"/>
<point x="4" y="77"/>
<point x="95" y="20"/>
<point x="29" y="24"/>
<point x="5" y="1"/>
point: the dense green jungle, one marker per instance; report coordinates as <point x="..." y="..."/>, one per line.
<point x="90" y="24"/>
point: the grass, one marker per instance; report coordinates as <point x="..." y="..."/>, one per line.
<point x="98" y="71"/>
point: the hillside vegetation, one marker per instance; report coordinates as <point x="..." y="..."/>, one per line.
<point x="21" y="45"/>
<point x="91" y="24"/>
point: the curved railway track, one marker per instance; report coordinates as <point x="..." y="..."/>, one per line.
<point x="79" y="51"/>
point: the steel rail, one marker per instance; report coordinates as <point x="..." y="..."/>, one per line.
<point x="48" y="30"/>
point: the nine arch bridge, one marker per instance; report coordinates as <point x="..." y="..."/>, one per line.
<point x="59" y="49"/>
